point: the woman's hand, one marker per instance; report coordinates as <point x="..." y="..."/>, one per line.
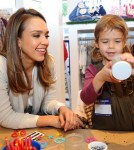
<point x="55" y="121"/>
<point x="68" y="119"/>
<point x="49" y="120"/>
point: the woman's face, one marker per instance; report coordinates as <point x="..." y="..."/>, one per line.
<point x="34" y="40"/>
<point x="110" y="43"/>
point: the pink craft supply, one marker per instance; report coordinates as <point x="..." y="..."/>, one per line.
<point x="90" y="139"/>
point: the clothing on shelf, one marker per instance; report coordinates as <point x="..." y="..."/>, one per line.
<point x="4" y="21"/>
<point x="2" y="31"/>
<point x="4" y="16"/>
<point x="3" y="24"/>
<point x="132" y="48"/>
<point x="65" y="52"/>
<point x="67" y="73"/>
<point x="85" y="48"/>
<point x="130" y="43"/>
<point x="83" y="57"/>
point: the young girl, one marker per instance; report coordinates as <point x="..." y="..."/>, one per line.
<point x="110" y="102"/>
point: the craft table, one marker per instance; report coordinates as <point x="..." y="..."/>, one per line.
<point x="115" y="140"/>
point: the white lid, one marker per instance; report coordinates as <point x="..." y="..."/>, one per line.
<point x="121" y="70"/>
<point x="97" y="145"/>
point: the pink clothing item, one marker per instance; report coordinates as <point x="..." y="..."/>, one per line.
<point x="65" y="52"/>
<point x="88" y="94"/>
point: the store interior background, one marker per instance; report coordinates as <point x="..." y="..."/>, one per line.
<point x="69" y="77"/>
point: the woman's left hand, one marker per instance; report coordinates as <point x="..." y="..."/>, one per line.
<point x="68" y="119"/>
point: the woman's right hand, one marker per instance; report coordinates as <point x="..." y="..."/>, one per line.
<point x="49" y="120"/>
<point x="55" y="122"/>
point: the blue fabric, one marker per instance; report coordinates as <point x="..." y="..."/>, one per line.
<point x="82" y="12"/>
<point x="75" y="15"/>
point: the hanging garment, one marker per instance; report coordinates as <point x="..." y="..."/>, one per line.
<point x="65" y="52"/>
<point x="83" y="57"/>
<point x="2" y="31"/>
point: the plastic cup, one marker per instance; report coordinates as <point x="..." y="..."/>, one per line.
<point x="74" y="141"/>
<point x="97" y="145"/>
<point x="121" y="70"/>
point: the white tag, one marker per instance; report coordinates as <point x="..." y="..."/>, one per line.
<point x="103" y="107"/>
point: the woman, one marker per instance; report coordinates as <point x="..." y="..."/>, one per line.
<point x="27" y="76"/>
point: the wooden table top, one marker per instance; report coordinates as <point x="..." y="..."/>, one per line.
<point x="115" y="140"/>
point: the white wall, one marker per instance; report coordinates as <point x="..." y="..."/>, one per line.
<point x="7" y="4"/>
<point x="53" y="14"/>
<point x="72" y="4"/>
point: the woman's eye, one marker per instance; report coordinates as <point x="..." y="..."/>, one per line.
<point x="39" y="35"/>
<point x="36" y="35"/>
<point x="47" y="36"/>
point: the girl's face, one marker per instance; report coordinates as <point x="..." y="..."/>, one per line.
<point x="34" y="40"/>
<point x="110" y="43"/>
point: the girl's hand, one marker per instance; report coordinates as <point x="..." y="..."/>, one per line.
<point x="129" y="58"/>
<point x="106" y="74"/>
<point x="68" y="119"/>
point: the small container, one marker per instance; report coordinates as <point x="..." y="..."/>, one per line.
<point x="121" y="70"/>
<point x="34" y="144"/>
<point x="74" y="141"/>
<point x="97" y="145"/>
